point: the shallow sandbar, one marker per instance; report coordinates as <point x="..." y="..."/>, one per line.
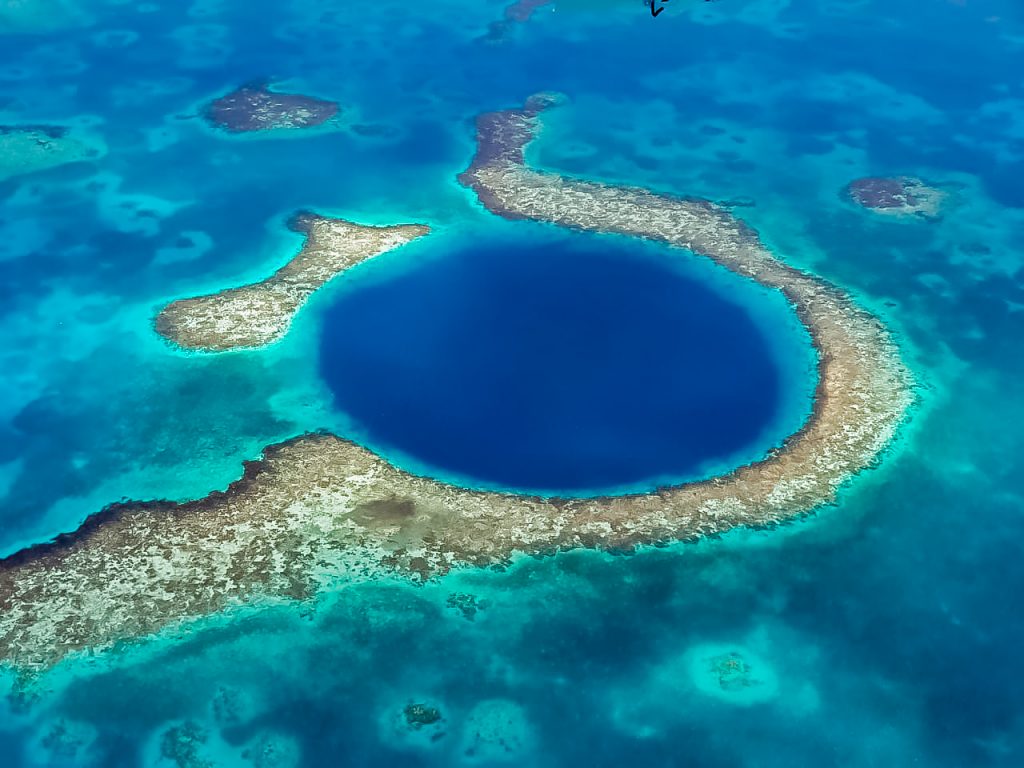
<point x="318" y="510"/>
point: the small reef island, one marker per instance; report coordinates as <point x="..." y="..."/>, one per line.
<point x="317" y="510"/>
<point x="257" y="314"/>
<point x="896" y="196"/>
<point x="255" y="107"/>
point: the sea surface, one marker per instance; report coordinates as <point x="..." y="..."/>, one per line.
<point x="885" y="630"/>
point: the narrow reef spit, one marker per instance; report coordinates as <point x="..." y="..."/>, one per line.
<point x="896" y="196"/>
<point x="318" y="510"/>
<point x="257" y="314"/>
<point x="518" y="12"/>
<point x="254" y="107"/>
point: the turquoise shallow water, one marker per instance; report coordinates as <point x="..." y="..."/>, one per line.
<point x="884" y="631"/>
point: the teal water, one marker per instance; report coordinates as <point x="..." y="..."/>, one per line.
<point x="885" y="630"/>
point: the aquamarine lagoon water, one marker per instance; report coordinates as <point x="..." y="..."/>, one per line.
<point x="883" y="630"/>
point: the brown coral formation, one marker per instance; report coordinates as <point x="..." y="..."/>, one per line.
<point x="896" y="196"/>
<point x="254" y="107"/>
<point x="318" y="510"/>
<point x="255" y="315"/>
<point x="182" y="744"/>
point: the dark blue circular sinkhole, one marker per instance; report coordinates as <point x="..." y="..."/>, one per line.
<point x="561" y="366"/>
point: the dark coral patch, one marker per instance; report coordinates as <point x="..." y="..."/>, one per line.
<point x="895" y="195"/>
<point x="877" y="192"/>
<point x="254" y="107"/>
<point x="419" y="715"/>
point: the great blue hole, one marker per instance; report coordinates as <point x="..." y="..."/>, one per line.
<point x="573" y="365"/>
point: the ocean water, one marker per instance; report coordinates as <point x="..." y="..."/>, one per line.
<point x="562" y="363"/>
<point x="885" y="630"/>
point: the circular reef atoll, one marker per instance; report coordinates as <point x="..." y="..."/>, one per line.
<point x="318" y="510"/>
<point x="254" y="107"/>
<point x="255" y="315"/>
<point x="896" y="196"/>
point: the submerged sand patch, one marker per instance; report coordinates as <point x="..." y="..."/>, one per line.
<point x="31" y="148"/>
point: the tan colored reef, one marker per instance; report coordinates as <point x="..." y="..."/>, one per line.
<point x="318" y="510"/>
<point x="257" y="314"/>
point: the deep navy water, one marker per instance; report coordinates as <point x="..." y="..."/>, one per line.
<point x="892" y="622"/>
<point x="556" y="364"/>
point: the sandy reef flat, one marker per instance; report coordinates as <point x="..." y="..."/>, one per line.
<point x="258" y="314"/>
<point x="318" y="510"/>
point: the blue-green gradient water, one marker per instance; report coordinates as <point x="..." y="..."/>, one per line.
<point x="890" y="623"/>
